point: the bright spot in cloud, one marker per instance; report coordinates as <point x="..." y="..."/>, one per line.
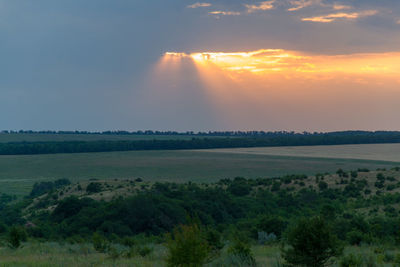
<point x="198" y="4"/>
<point x="265" y="61"/>
<point x="266" y="5"/>
<point x="335" y="16"/>
<point x="224" y="13"/>
<point x="340" y="7"/>
<point x="299" y="4"/>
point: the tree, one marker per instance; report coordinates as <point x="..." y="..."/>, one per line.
<point x="187" y="247"/>
<point x="311" y="243"/>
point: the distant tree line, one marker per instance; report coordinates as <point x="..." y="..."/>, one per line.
<point x="207" y="133"/>
<point x="271" y="140"/>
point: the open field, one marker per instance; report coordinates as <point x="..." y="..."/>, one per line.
<point x="386" y="152"/>
<point x="19" y="173"/>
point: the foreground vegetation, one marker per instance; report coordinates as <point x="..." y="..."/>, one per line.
<point x="83" y="254"/>
<point x="242" y="222"/>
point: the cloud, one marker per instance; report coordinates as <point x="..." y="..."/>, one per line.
<point x="224" y="13"/>
<point x="340" y="7"/>
<point x="266" y="5"/>
<point x="335" y="16"/>
<point x="198" y="4"/>
<point x="299" y="4"/>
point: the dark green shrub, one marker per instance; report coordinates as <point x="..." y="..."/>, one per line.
<point x="94" y="188"/>
<point x="187" y="247"/>
<point x="214" y="240"/>
<point x="354" y="237"/>
<point x="311" y="243"/>
<point x="242" y="251"/>
<point x="100" y="243"/>
<point x="276" y="186"/>
<point x="143" y="251"/>
<point x="15" y="236"/>
<point x="239" y="188"/>
<point x="272" y="224"/>
<point x="322" y="185"/>
<point x="351" y="260"/>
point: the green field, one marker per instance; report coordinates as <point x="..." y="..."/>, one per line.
<point x="19" y="173"/>
<point x="37" y="137"/>
<point x="387" y="152"/>
<point x="55" y="254"/>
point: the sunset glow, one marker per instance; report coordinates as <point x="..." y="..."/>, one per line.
<point x="265" y="61"/>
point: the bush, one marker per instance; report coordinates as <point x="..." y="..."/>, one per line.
<point x="272" y="224"/>
<point x="93" y="188"/>
<point x="354" y="237"/>
<point x="100" y="243"/>
<point x="311" y="243"/>
<point x="265" y="238"/>
<point x="214" y="241"/>
<point x="16" y="235"/>
<point x="187" y="247"/>
<point x="239" y="188"/>
<point x="351" y="260"/>
<point x="242" y="251"/>
<point x="322" y="185"/>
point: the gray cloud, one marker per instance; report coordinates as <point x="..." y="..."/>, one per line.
<point x="73" y="64"/>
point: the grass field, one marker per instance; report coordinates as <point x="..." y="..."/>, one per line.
<point x="19" y="173"/>
<point x="387" y="152"/>
<point x="36" y="137"/>
<point x="55" y="254"/>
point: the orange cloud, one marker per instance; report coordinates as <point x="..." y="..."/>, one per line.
<point x="265" y="61"/>
<point x="198" y="4"/>
<point x="266" y="5"/>
<point x="343" y="15"/>
<point x="299" y="4"/>
<point x="340" y="7"/>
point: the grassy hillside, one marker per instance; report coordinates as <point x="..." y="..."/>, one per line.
<point x="362" y="208"/>
<point x="19" y="173"/>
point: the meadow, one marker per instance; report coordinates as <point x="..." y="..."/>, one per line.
<point x="34" y="254"/>
<point x="386" y="152"/>
<point x="19" y="173"/>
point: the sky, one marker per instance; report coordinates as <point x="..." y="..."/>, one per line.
<point x="301" y="65"/>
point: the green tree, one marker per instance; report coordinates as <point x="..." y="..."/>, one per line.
<point x="311" y="243"/>
<point x="187" y="247"/>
